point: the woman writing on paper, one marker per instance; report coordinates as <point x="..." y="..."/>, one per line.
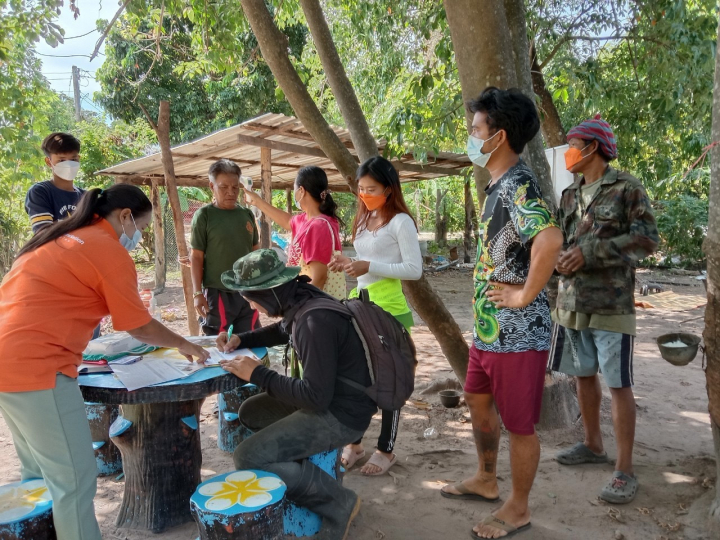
<point x="315" y="231"/>
<point x="386" y="241"/>
<point x="68" y="277"/>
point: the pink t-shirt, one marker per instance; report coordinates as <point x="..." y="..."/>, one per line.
<point x="313" y="238"/>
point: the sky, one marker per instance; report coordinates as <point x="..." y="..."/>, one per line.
<point x="58" y="67"/>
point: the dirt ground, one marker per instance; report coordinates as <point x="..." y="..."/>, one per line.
<point x="673" y="453"/>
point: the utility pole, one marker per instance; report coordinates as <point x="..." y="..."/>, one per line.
<point x="76" y="91"/>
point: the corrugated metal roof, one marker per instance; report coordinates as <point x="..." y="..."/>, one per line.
<point x="292" y="148"/>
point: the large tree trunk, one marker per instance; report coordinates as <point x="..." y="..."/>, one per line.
<point x="347" y="101"/>
<point x="163" y="135"/>
<point x="551" y="125"/>
<point x="711" y="248"/>
<point x="273" y="45"/>
<point x="534" y="153"/>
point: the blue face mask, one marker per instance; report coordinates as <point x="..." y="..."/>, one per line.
<point x="475" y="153"/>
<point x="127" y="242"/>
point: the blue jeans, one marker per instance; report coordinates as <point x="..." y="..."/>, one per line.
<point x="284" y="437"/>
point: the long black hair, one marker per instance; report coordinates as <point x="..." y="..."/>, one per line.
<point x="94" y="205"/>
<point x="315" y="182"/>
<point x="382" y="171"/>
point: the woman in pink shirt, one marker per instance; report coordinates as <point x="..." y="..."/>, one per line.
<point x="315" y="231"/>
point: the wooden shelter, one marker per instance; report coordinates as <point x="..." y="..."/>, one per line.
<point x="273" y="144"/>
<point x="270" y="148"/>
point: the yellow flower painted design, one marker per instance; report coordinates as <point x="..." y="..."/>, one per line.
<point x="19" y="500"/>
<point x="243" y="488"/>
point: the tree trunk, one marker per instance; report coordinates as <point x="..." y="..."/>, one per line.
<point x="160" y="445"/>
<point x="289" y="200"/>
<point x="347" y="101"/>
<point x="534" y="152"/>
<point x="452" y="343"/>
<point x="159" y="236"/>
<point x="551" y="126"/>
<point x="468" y="230"/>
<point x="273" y="45"/>
<point x="266" y="178"/>
<point x="163" y="135"/>
<point x="711" y="247"/>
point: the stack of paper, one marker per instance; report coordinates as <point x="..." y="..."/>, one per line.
<point x="148" y="372"/>
<point x="216" y="355"/>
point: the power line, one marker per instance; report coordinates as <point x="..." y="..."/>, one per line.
<point x="82" y="35"/>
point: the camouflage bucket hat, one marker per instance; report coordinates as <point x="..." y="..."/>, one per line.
<point x="258" y="270"/>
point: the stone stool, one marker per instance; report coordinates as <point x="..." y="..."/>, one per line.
<point x="230" y="431"/>
<point x="244" y="504"/>
<point x="300" y="521"/>
<point x="26" y="511"/>
<point x="107" y="455"/>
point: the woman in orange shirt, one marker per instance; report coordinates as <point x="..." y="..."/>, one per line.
<point x="63" y="282"/>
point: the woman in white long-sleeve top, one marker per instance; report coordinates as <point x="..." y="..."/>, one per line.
<point x="386" y="241"/>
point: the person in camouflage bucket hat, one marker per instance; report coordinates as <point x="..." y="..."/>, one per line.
<point x="608" y="227"/>
<point x="258" y="270"/>
<point x="295" y="418"/>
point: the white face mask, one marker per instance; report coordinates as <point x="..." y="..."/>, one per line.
<point x="67" y="170"/>
<point x="127" y="242"/>
<point x="296" y="201"/>
<point x="474" y="150"/>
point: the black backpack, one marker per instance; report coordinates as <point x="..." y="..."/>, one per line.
<point x="389" y="349"/>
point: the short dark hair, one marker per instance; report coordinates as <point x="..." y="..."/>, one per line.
<point x="510" y="110"/>
<point x="60" y="143"/>
<point x="224" y="166"/>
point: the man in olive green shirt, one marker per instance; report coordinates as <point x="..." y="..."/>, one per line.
<point x="221" y="233"/>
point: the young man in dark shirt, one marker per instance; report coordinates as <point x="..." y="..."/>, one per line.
<point x="53" y="200"/>
<point x="297" y="418"/>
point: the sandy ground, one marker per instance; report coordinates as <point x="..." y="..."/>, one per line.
<point x="673" y="454"/>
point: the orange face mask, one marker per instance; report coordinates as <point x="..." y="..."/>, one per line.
<point x="573" y="156"/>
<point x="372" y="202"/>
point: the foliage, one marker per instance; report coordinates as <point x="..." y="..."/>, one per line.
<point x="216" y="69"/>
<point x="682" y="223"/>
<point x="652" y="86"/>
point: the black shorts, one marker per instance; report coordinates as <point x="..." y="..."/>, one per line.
<point x="228" y="308"/>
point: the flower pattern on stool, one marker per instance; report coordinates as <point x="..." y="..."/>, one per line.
<point x="243" y="488"/>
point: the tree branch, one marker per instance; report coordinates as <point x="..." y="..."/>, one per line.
<point x="616" y="37"/>
<point x="153" y="125"/>
<point x="107" y="30"/>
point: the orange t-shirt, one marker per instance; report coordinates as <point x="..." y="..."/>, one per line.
<point x="53" y="298"/>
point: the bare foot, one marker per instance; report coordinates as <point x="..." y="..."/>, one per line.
<point x="356" y="449"/>
<point x="371" y="468"/>
<point x="507" y="513"/>
<point x="487" y="488"/>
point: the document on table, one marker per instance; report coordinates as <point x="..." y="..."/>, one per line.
<point x="216" y="355"/>
<point x="148" y="372"/>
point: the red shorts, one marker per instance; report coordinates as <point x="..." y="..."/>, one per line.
<point x="515" y="381"/>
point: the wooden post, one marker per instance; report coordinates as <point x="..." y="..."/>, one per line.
<point x="289" y="201"/>
<point x="266" y="178"/>
<point x="163" y="135"/>
<point x="159" y="234"/>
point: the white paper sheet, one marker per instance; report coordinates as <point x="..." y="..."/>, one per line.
<point x="148" y="372"/>
<point x="216" y="355"/>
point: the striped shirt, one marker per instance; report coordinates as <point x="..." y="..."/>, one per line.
<point x="46" y="203"/>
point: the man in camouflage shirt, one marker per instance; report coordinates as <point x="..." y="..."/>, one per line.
<point x="608" y="227"/>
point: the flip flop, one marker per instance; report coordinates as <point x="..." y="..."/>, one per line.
<point x="353" y="515"/>
<point x="350" y="457"/>
<point x="466" y="494"/>
<point x="379" y="460"/>
<point x="501" y="525"/>
<point x="579" y="454"/>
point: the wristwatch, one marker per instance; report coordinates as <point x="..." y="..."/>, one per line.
<point x="197" y="293"/>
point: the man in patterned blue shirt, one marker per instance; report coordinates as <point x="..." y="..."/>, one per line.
<point x="518" y="247"/>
